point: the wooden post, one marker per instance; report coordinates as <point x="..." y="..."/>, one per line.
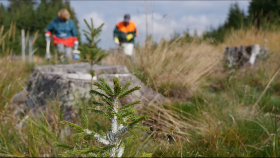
<point x="22" y="45"/>
<point x="30" y="52"/>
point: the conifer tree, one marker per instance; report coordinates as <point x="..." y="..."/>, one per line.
<point x="91" y="52"/>
<point x="123" y="120"/>
<point x="262" y="13"/>
<point x="2" y="14"/>
<point x="236" y="17"/>
<point x="22" y="13"/>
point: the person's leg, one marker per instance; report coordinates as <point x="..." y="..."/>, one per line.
<point x="60" y="52"/>
<point x="128" y="48"/>
<point x="68" y="53"/>
<point x="60" y="48"/>
<point x="124" y="47"/>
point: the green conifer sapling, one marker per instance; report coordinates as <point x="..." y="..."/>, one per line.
<point x="123" y="120"/>
<point x="91" y="52"/>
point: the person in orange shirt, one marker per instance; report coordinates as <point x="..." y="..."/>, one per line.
<point x="124" y="35"/>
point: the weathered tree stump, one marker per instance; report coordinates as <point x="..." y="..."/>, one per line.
<point x="66" y="83"/>
<point x="235" y="57"/>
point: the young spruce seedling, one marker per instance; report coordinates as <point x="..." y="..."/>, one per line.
<point x="123" y="119"/>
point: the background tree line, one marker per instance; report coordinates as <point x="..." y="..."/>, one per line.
<point x="262" y="14"/>
<point x="32" y="16"/>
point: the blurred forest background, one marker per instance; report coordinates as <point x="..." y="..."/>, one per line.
<point x="34" y="15"/>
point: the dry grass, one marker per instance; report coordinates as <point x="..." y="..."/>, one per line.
<point x="13" y="74"/>
<point x="6" y="37"/>
<point x="13" y="71"/>
<point x="220" y="124"/>
<point x="172" y="68"/>
<point x="253" y="36"/>
<point x="211" y="123"/>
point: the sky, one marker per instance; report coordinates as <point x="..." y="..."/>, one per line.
<point x="164" y="17"/>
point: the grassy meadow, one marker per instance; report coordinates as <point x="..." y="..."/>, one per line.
<point x="211" y="112"/>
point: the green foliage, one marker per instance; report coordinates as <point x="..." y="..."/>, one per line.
<point x="7" y="40"/>
<point x="33" y="16"/>
<point x="76" y="127"/>
<point x="123" y="120"/>
<point x="236" y="19"/>
<point x="262" y="14"/>
<point x="91" y="52"/>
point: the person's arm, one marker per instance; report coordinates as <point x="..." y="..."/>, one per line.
<point x="116" y="32"/>
<point x="74" y="34"/>
<point x="136" y="32"/>
<point x="116" y="35"/>
<point x="48" y="31"/>
<point x="73" y="30"/>
<point x="132" y="35"/>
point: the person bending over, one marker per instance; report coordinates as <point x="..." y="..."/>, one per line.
<point x="64" y="33"/>
<point x="124" y="35"/>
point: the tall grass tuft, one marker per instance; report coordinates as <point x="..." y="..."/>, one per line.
<point x="7" y="39"/>
<point x="13" y="74"/>
<point x="175" y="69"/>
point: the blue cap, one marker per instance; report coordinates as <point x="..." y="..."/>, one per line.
<point x="126" y="17"/>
